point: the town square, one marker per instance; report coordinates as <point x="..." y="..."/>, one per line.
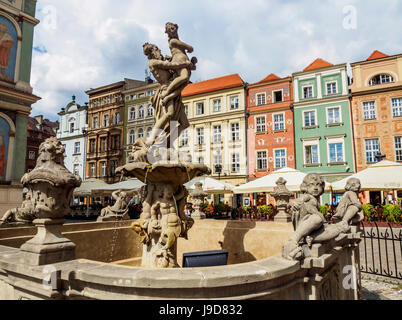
<point x="252" y="152"/>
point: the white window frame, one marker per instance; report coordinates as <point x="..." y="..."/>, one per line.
<point x="257" y="125"/>
<point x="234" y="133"/>
<point x="76" y="169"/>
<point x="200" y="137"/>
<point x="392" y="79"/>
<point x="184" y="138"/>
<point x="336" y="87"/>
<point x="312" y="91"/>
<point x="315" y="117"/>
<point x="340" y="114"/>
<point x="196" y="108"/>
<point x="92" y="170"/>
<point x="284" y="121"/>
<point x="150" y="111"/>
<point x="103" y="168"/>
<point x="365" y="149"/>
<point x="131" y="136"/>
<point x="75" y="147"/>
<point x="149" y="131"/>
<point x="141" y="133"/>
<point x="335" y="141"/>
<point x="257" y="159"/>
<point x="96" y="123"/>
<point x="375" y="110"/>
<point x="31" y="155"/>
<point x="286" y="157"/>
<point x="235" y="163"/>
<point x="186" y="109"/>
<point x="274" y="98"/>
<point x="141" y="112"/>
<point x="259" y="95"/>
<point x="234" y="103"/>
<point x="398" y="108"/>
<point x="219" y="104"/>
<point x="106" y="120"/>
<point x="306" y="143"/>
<point x="72" y="126"/>
<point x="216" y="134"/>
<point x="398" y="149"/>
<point x="132" y="113"/>
<point x="215" y="156"/>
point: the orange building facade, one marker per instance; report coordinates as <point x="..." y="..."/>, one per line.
<point x="270" y="126"/>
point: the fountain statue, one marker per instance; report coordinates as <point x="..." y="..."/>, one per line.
<point x="119" y="211"/>
<point x="198" y="195"/>
<point x="309" y="223"/>
<point x="156" y="163"/>
<point x="281" y="195"/>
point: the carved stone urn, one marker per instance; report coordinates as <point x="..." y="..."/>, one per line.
<point x="282" y="196"/>
<point x="51" y="186"/>
<point x="198" y="195"/>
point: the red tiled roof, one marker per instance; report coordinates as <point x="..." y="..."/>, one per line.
<point x="377" y="55"/>
<point x="220" y="83"/>
<point x="318" y="64"/>
<point x="271" y="77"/>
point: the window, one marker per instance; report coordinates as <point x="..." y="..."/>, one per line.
<point x="234" y="103"/>
<point x="217" y="105"/>
<point x="331" y="88"/>
<point x="311" y="154"/>
<point x="92" y="170"/>
<point x="200" y="136"/>
<point x="201" y="160"/>
<point x="235" y="129"/>
<point x="32" y="155"/>
<point x="133" y="97"/>
<point x="262" y="163"/>
<point x="141" y="112"/>
<point x="77" y="147"/>
<point x="200" y="108"/>
<point x="103" y="144"/>
<point x="260" y="99"/>
<point x="106" y="121"/>
<point x="369" y="110"/>
<point x="217" y="160"/>
<point x="76" y="169"/>
<point x="186" y="109"/>
<point x="260" y="125"/>
<point x="217" y="137"/>
<point x="278" y="97"/>
<point x="117" y="118"/>
<point x="372" y="148"/>
<point x="103" y="169"/>
<point x="149" y="131"/>
<point x="132" y="137"/>
<point x="96" y="123"/>
<point x="150" y="111"/>
<point x="140" y="133"/>
<point x="309" y="119"/>
<point x="279" y="122"/>
<point x="150" y="93"/>
<point x="72" y="125"/>
<point x="335" y="152"/>
<point x="92" y="143"/>
<point x="184" y="138"/>
<point x="334" y="115"/>
<point x="397" y="107"/>
<point x="235" y="165"/>
<point x="132" y="113"/>
<point x="398" y="148"/>
<point x="307" y="92"/>
<point x="381" y="79"/>
<point x="280" y="159"/>
<point x="114" y="165"/>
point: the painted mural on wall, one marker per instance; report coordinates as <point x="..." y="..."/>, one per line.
<point x="8" y="49"/>
<point x="4" y="142"/>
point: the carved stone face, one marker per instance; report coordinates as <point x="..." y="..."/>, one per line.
<point x="354" y="185"/>
<point x="314" y="187"/>
<point x="171" y="30"/>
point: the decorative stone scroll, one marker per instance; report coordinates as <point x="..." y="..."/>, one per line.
<point x="309" y="223"/>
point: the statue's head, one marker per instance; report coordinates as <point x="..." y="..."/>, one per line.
<point x="172" y="30"/>
<point x="313" y="184"/>
<point x="52" y="150"/>
<point x="353" y="184"/>
<point x="152" y="51"/>
<point x="167" y="192"/>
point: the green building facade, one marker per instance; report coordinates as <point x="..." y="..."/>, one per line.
<point x="322" y="120"/>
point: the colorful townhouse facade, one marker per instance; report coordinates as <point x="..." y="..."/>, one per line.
<point x="216" y="110"/>
<point x="139" y="117"/>
<point x="322" y="121"/>
<point x="17" y="23"/>
<point x="377" y="109"/>
<point x="73" y="135"/>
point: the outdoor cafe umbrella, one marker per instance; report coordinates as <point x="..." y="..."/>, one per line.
<point x="211" y="185"/>
<point x="127" y="185"/>
<point x="385" y="175"/>
<point x="87" y="186"/>
<point x="267" y="183"/>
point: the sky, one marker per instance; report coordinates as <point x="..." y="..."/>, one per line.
<point x="83" y="44"/>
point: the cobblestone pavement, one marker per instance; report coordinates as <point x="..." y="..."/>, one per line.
<point x="379" y="288"/>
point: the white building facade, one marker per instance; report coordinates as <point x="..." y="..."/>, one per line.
<point x="72" y="134"/>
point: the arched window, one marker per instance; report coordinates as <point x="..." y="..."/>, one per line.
<point x="149" y="130"/>
<point x="132" y="113"/>
<point x="132" y="137"/>
<point x="141" y="112"/>
<point x="150" y="111"/>
<point x="381" y="79"/>
<point x="140" y="133"/>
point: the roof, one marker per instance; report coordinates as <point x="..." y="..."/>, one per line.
<point x="377" y="55"/>
<point x="47" y="126"/>
<point x="318" y="64"/>
<point x="111" y="86"/>
<point x="225" y="82"/>
<point x="271" y="77"/>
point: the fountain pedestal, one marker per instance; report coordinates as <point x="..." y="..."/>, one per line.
<point x="198" y="195"/>
<point x="282" y="196"/>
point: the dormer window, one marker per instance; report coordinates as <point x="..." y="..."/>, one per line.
<point x="381" y="79"/>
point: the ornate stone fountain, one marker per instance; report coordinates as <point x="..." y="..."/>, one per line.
<point x="156" y="163"/>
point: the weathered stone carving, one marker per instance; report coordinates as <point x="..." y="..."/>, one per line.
<point x="23" y="215"/>
<point x="198" y="195"/>
<point x="282" y="196"/>
<point x="50" y="187"/>
<point x="310" y="225"/>
<point x="119" y="211"/>
<point x="158" y="164"/>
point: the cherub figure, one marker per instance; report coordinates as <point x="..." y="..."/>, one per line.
<point x="179" y="56"/>
<point x="24" y="214"/>
<point x="350" y="209"/>
<point x="120" y="207"/>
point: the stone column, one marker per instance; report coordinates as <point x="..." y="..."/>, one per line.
<point x="282" y="196"/>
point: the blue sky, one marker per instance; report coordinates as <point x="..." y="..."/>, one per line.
<point x="83" y="44"/>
